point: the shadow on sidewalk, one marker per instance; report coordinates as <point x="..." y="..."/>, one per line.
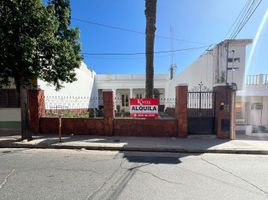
<point x="9" y="132"/>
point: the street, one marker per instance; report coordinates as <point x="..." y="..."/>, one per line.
<point x="82" y="174"/>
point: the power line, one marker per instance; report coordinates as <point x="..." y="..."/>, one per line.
<point x="131" y="30"/>
<point x="143" y="53"/>
<point x="237" y="18"/>
<point x="243" y="17"/>
<point x="242" y="26"/>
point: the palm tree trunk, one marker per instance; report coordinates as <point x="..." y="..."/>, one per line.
<point x="150" y="13"/>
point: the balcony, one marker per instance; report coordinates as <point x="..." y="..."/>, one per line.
<point x="260" y="79"/>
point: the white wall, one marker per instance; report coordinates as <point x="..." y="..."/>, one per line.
<point x="127" y="81"/>
<point x="81" y="87"/>
<point x="10" y="114"/>
<point x="236" y="49"/>
<point x="73" y="95"/>
<point x="200" y="70"/>
<point x="255" y="94"/>
<point x="252" y="116"/>
<point x="209" y="66"/>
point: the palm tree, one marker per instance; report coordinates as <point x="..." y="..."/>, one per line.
<point x="150" y="13"/>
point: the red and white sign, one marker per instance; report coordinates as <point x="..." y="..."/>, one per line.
<point x="144" y="108"/>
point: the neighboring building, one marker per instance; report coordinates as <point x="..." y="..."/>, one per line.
<point x="252" y="102"/>
<point x="210" y="68"/>
<point x="10" y="115"/>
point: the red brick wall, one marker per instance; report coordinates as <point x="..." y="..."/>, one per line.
<point x="181" y="110"/>
<point x="223" y="95"/>
<point x="76" y="126"/>
<point x="170" y="111"/>
<point x="49" y="126"/>
<point x="150" y="128"/>
<point x="122" y="127"/>
<point x="36" y="108"/>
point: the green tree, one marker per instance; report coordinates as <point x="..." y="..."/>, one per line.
<point x="32" y="47"/>
<point x="150" y="13"/>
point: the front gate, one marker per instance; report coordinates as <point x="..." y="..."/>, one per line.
<point x="201" y="111"/>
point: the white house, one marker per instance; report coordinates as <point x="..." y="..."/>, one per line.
<point x="128" y="86"/>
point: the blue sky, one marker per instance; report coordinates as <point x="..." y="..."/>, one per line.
<point x="203" y="22"/>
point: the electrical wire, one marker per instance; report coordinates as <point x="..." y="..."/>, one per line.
<point x="238" y="18"/>
<point x="131" y="30"/>
<point x="242" y="26"/>
<point x="243" y="17"/>
<point x="142" y="53"/>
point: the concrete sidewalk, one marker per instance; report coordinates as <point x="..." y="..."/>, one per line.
<point x="152" y="144"/>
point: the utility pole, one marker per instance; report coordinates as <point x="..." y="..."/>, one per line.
<point x="172" y="65"/>
<point x="227" y="55"/>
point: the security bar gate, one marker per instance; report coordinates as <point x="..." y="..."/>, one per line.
<point x="201" y="112"/>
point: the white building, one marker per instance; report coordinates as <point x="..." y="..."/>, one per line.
<point x="252" y="102"/>
<point x="210" y="68"/>
<point x="128" y="86"/>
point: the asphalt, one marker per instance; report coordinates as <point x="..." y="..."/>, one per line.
<point x="144" y="144"/>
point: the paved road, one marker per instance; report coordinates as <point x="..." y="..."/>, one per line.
<point x="69" y="174"/>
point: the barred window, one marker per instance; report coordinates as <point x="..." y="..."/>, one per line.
<point x="9" y="98"/>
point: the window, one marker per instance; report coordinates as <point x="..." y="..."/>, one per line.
<point x="139" y="96"/>
<point x="124" y="99"/>
<point x="256" y="106"/>
<point x="233" y="59"/>
<point x="9" y="98"/>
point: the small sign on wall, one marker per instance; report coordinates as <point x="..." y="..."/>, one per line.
<point x="144" y="107"/>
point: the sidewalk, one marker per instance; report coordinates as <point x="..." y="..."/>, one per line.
<point x="151" y="144"/>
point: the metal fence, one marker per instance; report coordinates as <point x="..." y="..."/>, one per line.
<point x="201" y="104"/>
<point x="92" y="107"/>
<point x="74" y="106"/>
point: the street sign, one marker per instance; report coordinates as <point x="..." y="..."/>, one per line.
<point x="144" y="107"/>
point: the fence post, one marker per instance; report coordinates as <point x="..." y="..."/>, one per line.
<point x="224" y="111"/>
<point x="181" y="110"/>
<point x="36" y="102"/>
<point x="108" y="111"/>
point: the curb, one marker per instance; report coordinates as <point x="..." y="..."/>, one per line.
<point x="139" y="149"/>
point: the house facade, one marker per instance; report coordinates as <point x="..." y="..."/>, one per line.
<point x="252" y="103"/>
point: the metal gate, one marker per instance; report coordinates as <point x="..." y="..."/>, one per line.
<point x="201" y="111"/>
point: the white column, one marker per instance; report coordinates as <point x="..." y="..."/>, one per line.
<point x="260" y="82"/>
<point x="130" y="94"/>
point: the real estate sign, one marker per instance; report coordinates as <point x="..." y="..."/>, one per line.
<point x="144" y="107"/>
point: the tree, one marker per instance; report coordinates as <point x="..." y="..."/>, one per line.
<point x="32" y="47"/>
<point x="150" y="13"/>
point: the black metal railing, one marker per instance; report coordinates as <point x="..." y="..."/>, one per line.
<point x="201" y="104"/>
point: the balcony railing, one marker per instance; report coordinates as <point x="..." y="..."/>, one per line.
<point x="260" y="79"/>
